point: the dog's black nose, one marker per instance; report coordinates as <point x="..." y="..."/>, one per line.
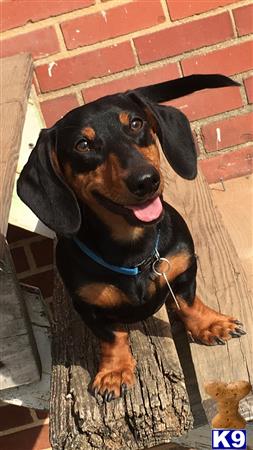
<point x="143" y="181"/>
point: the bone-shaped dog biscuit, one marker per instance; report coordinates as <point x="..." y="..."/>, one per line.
<point x="227" y="396"/>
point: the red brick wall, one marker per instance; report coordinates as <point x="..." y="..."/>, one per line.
<point x="33" y="259"/>
<point x="84" y="49"/>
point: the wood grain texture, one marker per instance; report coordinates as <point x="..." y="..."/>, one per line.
<point x="16" y="77"/>
<point x="35" y="394"/>
<point x="222" y="285"/>
<point x="18" y="354"/>
<point x="235" y="204"/>
<point x="153" y="412"/>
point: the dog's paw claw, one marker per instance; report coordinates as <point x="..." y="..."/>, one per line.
<point x="123" y="390"/>
<point x="240" y="331"/>
<point x="237" y="322"/>
<point x="95" y="391"/>
<point x="219" y="341"/>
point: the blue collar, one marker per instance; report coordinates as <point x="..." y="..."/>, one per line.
<point x="132" y="271"/>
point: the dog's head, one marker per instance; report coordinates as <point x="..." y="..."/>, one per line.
<point x="105" y="155"/>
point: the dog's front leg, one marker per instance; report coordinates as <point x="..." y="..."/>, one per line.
<point x="203" y="324"/>
<point x="116" y="368"/>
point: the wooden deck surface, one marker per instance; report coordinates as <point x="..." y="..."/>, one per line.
<point x="222" y="284"/>
<point x="235" y="205"/>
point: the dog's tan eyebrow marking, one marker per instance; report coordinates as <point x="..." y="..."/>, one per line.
<point x="124" y="118"/>
<point x="89" y="133"/>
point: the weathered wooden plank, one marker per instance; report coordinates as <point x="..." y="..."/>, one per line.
<point x="36" y="394"/>
<point x="221" y="284"/>
<point x="18" y="354"/>
<point x="153" y="412"/>
<point x="16" y="77"/>
<point x="20" y="364"/>
<point x="235" y="204"/>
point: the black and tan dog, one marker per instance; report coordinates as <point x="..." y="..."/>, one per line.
<point x="95" y="179"/>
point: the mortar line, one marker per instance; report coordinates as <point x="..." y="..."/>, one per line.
<point x="30" y="257"/>
<point x="24" y="427"/>
<point x="136" y="58"/>
<point x="166" y="11"/>
<point x="60" y="37"/>
<point x="36" y="271"/>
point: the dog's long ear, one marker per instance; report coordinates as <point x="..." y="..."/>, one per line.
<point x="174" y="133"/>
<point x="43" y="189"/>
<point x="171" y="125"/>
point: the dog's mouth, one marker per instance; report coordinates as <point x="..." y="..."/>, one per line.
<point x="149" y="212"/>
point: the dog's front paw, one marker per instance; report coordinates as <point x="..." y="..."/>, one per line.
<point x="116" y="368"/>
<point x="206" y="326"/>
<point x="113" y="383"/>
<point x="215" y="331"/>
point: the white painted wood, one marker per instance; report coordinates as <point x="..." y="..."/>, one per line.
<point x="20" y="214"/>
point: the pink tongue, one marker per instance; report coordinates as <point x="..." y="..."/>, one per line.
<point x="148" y="211"/>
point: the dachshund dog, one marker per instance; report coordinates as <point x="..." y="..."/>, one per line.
<point x="95" y="179"/>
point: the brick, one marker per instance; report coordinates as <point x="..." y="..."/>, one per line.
<point x="14" y="416"/>
<point x="39" y="43"/>
<point x="43" y="280"/>
<point x="244" y="20"/>
<point x="233" y="131"/>
<point x="230" y="60"/>
<point x="248" y="83"/>
<point x="42" y="252"/>
<point x="228" y="165"/>
<point x="181" y="38"/>
<point x="35" y="438"/>
<point x="168" y="72"/>
<point x="15" y="234"/>
<point x="195" y="138"/>
<point x="19" y="12"/>
<point x="209" y="102"/>
<point x="20" y="259"/>
<point x="84" y="67"/>
<point x="112" y="22"/>
<point x="186" y="8"/>
<point x="56" y="108"/>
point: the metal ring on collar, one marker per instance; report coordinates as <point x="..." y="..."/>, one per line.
<point x="158" y="261"/>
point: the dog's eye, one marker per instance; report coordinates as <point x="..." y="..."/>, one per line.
<point x="136" y="124"/>
<point x="82" y="145"/>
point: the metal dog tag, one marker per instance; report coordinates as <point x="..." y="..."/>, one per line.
<point x="163" y="274"/>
